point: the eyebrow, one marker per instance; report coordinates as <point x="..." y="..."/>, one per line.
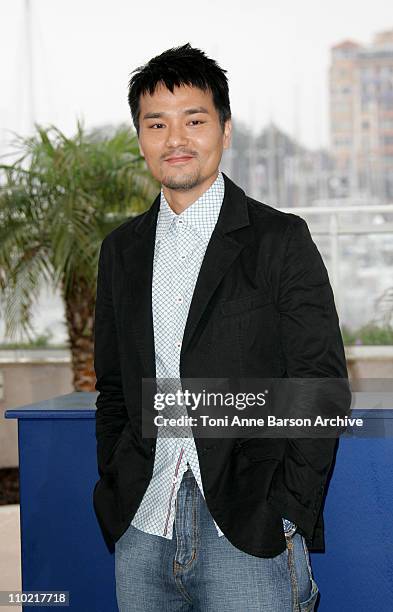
<point x="188" y="111"/>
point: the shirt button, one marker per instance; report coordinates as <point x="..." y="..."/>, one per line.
<point x="179" y="299"/>
<point x="175" y="479"/>
<point x="178" y="344"/>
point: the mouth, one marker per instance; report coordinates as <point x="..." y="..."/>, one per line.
<point x="178" y="160"/>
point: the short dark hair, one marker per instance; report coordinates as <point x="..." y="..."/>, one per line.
<point x="178" y="66"/>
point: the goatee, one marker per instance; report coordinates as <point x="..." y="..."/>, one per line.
<point x="181" y="183"/>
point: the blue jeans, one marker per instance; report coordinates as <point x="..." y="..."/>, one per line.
<point x="198" y="570"/>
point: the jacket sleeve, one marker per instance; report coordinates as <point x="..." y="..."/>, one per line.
<point x="312" y="348"/>
<point x="111" y="413"/>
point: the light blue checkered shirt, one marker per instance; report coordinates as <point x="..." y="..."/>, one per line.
<point x="181" y="242"/>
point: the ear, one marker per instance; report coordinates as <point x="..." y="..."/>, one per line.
<point x="140" y="149"/>
<point x="227" y="133"/>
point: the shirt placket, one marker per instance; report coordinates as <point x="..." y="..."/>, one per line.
<point x="178" y="286"/>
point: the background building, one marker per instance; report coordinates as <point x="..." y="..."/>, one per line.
<point x="361" y="116"/>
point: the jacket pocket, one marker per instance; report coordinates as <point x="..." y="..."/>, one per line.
<point x="244" y="304"/>
<point x="261" y="449"/>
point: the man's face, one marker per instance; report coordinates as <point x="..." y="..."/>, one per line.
<point x="180" y="136"/>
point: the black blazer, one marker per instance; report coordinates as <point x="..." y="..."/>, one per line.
<point x="262" y="307"/>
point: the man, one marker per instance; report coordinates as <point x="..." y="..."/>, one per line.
<point x="207" y="283"/>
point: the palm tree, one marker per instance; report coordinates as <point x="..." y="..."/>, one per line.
<point x="58" y="201"/>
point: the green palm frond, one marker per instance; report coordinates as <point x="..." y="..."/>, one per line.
<point x="58" y="200"/>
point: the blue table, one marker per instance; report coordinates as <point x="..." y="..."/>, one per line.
<point x="62" y="545"/>
<point x="61" y="542"/>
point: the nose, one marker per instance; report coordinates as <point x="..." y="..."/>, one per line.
<point x="176" y="136"/>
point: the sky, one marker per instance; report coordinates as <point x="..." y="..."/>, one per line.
<point x="276" y="55"/>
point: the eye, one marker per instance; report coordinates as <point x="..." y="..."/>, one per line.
<point x="196" y="121"/>
<point x="156" y="124"/>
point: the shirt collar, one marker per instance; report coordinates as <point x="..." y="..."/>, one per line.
<point x="201" y="215"/>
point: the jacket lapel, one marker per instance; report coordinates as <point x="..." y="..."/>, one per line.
<point x="224" y="247"/>
<point x="138" y="264"/>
